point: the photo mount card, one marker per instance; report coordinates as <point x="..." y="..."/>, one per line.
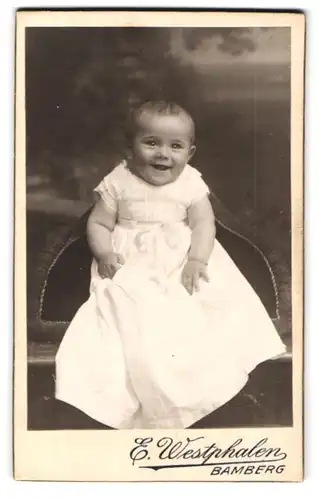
<point x="240" y="77"/>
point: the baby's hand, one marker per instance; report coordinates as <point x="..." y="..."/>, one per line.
<point x="192" y="272"/>
<point x="110" y="263"/>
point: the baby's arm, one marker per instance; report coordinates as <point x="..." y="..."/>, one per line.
<point x="100" y="226"/>
<point x="201" y="220"/>
<point x="202" y="223"/>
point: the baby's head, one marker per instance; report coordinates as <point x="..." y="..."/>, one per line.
<point x="161" y="141"/>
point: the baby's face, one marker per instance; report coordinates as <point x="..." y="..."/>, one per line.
<point x="161" y="147"/>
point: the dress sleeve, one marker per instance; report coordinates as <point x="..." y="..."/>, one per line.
<point x="197" y="188"/>
<point x="108" y="190"/>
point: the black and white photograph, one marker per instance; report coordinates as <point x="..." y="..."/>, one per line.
<point x="158" y="232"/>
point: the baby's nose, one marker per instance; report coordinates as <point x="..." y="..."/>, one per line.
<point x="162" y="152"/>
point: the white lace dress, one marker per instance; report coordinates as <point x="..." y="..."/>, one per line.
<point x="142" y="352"/>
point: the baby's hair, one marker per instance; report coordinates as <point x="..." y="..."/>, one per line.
<point x="161" y="108"/>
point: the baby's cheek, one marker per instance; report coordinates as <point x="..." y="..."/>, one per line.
<point x="181" y="156"/>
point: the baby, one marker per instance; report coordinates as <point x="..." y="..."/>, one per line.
<point x="171" y="328"/>
<point x="161" y="146"/>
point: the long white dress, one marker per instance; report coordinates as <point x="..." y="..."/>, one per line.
<point x="142" y="352"/>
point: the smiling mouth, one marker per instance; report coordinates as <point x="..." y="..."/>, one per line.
<point x="162" y="168"/>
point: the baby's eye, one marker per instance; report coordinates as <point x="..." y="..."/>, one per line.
<point x="176" y="145"/>
<point x="150" y="142"/>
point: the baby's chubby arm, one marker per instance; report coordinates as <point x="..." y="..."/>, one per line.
<point x="202" y="223"/>
<point x="100" y="226"/>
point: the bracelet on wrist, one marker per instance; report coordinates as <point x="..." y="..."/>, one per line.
<point x="195" y="259"/>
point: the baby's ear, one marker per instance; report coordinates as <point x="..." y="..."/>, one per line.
<point x="191" y="152"/>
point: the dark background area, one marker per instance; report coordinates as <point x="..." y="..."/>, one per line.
<point x="82" y="82"/>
